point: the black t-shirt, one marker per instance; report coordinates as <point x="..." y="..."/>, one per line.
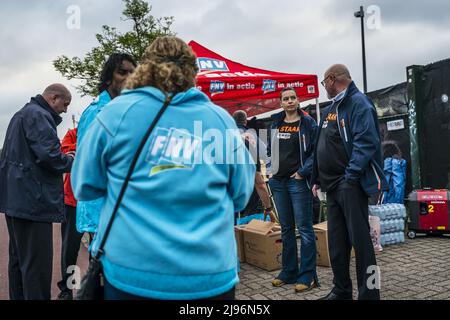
<point x="332" y="158"/>
<point x="288" y="136"/>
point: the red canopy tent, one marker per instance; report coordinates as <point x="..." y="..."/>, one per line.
<point x="234" y="86"/>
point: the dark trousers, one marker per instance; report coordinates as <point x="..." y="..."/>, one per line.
<point x="112" y="293"/>
<point x="30" y="259"/>
<point x="348" y="225"/>
<point x="71" y="240"/>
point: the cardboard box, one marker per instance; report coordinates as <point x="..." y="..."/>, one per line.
<point x="262" y="244"/>
<point x="323" y="255"/>
<point x="239" y="235"/>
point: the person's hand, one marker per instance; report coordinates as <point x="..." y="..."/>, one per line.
<point x="314" y="190"/>
<point x="248" y="137"/>
<point x="269" y="212"/>
<point x="297" y="176"/>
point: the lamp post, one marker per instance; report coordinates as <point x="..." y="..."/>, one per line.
<point x="360" y="14"/>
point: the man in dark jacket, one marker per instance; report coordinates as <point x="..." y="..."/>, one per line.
<point x="31" y="191"/>
<point x="348" y="167"/>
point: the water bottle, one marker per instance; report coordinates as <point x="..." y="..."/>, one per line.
<point x="395" y="211"/>
<point x="377" y="211"/>
<point x="391" y="211"/>
<point x="394" y="225"/>
<point x="382" y="210"/>
<point x="402" y="225"/>
<point x="403" y="211"/>
<point x="397" y="237"/>
<point x="387" y="211"/>
<point x="399" y="210"/>
<point x="388" y="238"/>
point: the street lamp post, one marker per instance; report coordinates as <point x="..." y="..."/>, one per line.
<point x="360" y="14"/>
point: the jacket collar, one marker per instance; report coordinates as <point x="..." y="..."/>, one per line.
<point x="39" y="99"/>
<point x="104" y="97"/>
<point x="192" y="94"/>
<point x="351" y="90"/>
<point x="279" y="117"/>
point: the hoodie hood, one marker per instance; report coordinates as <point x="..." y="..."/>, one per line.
<point x="179" y="98"/>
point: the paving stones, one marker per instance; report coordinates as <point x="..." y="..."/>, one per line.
<point x="419" y="269"/>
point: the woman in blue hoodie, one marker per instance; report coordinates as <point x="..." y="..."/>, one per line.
<point x="173" y="236"/>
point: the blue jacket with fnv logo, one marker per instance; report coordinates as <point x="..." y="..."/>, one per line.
<point x="359" y="131"/>
<point x="307" y="139"/>
<point x="173" y="235"/>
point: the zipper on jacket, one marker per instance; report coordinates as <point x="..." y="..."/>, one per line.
<point x="339" y="124"/>
<point x="345" y="131"/>
<point x="302" y="137"/>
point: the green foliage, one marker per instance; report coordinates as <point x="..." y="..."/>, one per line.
<point x="146" y="28"/>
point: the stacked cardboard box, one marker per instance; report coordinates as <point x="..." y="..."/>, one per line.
<point x="259" y="244"/>
<point x="323" y="255"/>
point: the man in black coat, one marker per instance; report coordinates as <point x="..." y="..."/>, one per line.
<point x="32" y="192"/>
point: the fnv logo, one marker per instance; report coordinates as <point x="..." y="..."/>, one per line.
<point x="208" y="64"/>
<point x="216" y="87"/>
<point x="268" y="86"/>
<point x="173" y="149"/>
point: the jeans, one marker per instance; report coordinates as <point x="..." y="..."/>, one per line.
<point x="293" y="200"/>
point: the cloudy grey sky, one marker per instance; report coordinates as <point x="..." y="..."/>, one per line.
<point x="294" y="36"/>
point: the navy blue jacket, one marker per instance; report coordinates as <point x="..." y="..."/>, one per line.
<point x="358" y="128"/>
<point x="307" y="139"/>
<point x="32" y="165"/>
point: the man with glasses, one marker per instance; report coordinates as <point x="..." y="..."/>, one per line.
<point x="348" y="167"/>
<point x="32" y="198"/>
<point x="291" y="145"/>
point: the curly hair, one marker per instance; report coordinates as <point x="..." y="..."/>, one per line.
<point x="114" y="61"/>
<point x="168" y="64"/>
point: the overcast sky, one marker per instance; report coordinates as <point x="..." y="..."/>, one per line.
<point x="294" y="36"/>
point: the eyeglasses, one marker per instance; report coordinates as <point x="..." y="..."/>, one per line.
<point x="335" y="75"/>
<point x="323" y="81"/>
<point x="289" y="98"/>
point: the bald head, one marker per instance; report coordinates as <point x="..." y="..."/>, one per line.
<point x="57" y="89"/>
<point x="336" y="79"/>
<point x="340" y="71"/>
<point x="58" y="97"/>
